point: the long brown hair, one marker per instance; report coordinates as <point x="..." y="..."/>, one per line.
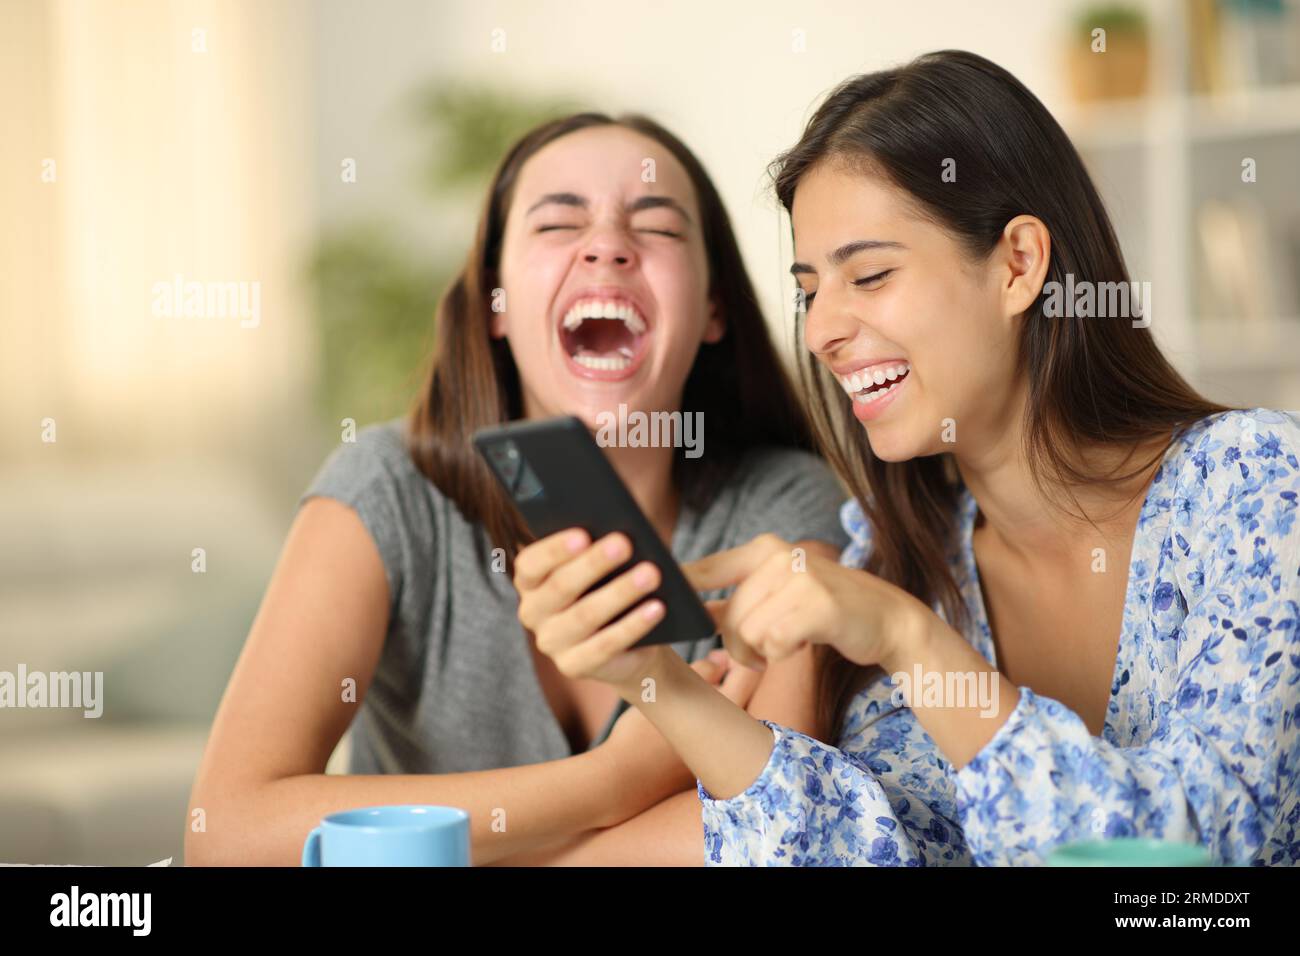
<point x="1091" y="381"/>
<point x="738" y="383"/>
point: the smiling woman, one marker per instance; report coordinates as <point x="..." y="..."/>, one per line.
<point x="596" y="239"/>
<point x="1000" y="458"/>
<point x="1021" y="448"/>
<point x="588" y="329"/>
<point x="589" y="289"/>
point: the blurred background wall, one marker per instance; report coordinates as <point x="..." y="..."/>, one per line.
<point x="331" y="156"/>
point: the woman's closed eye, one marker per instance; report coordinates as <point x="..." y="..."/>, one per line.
<point x="554" y="226"/>
<point x="867" y="283"/>
<point x="657" y="222"/>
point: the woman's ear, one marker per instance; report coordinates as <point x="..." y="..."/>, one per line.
<point x="1027" y="247"/>
<point x="716" y="326"/>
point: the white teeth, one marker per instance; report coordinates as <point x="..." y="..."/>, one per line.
<point x="595" y="309"/>
<point x="858" y="381"/>
<point x="866" y="398"/>
<point x="605" y="363"/>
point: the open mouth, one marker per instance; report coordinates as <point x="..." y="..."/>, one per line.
<point x="603" y="335"/>
<point x="869" y="385"/>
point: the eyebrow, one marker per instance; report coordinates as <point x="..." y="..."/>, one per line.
<point x="658" y="202"/>
<point x="559" y="199"/>
<point x="636" y="205"/>
<point x="846" y="252"/>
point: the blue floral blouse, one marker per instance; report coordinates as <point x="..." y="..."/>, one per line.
<point x="1201" y="741"/>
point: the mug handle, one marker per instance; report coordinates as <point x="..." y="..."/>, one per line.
<point x="311" y="849"/>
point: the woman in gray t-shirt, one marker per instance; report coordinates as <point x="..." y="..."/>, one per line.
<point x="604" y="282"/>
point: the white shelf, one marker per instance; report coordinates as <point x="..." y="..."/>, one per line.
<point x="1111" y="124"/>
<point x="1148" y="155"/>
<point x="1138" y="123"/>
<point x="1246" y="114"/>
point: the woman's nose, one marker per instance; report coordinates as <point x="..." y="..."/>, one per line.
<point x="827" y="326"/>
<point x="608" y="246"/>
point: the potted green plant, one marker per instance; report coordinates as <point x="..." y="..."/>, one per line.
<point x="1109" y="53"/>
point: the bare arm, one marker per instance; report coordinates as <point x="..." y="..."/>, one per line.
<point x="671" y="833"/>
<point x="261" y="783"/>
<point x="668" y="834"/>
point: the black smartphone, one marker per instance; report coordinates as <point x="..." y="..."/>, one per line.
<point x="559" y="478"/>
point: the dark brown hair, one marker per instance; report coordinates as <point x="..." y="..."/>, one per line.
<point x="738" y="383"/>
<point x="1091" y="381"/>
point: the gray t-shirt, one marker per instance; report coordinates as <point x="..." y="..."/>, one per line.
<point x="455" y="688"/>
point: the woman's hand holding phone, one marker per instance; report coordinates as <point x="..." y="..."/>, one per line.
<point x="589" y="635"/>
<point x="584" y="633"/>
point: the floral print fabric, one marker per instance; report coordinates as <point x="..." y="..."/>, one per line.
<point x="1201" y="740"/>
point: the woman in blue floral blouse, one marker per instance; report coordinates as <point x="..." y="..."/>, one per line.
<point x="1070" y="607"/>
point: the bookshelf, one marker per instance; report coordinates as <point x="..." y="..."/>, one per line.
<point x="1223" y="255"/>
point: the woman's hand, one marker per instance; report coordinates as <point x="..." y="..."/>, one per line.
<point x="788" y="598"/>
<point x="589" y="636"/>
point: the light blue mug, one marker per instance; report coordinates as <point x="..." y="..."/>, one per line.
<point x="409" y="835"/>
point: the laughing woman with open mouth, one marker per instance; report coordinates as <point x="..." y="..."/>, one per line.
<point x="590" y="287"/>
<point x="1070" y="607"/>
